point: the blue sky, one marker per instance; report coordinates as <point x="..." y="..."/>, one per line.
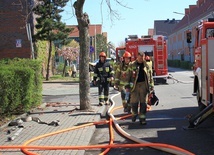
<point x="134" y="20"/>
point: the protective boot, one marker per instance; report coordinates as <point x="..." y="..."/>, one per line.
<point x="142" y="115"/>
<point x="134" y="111"/>
<point x="134" y="117"/>
<point x="101" y="102"/>
<point x="143" y="121"/>
<point x="129" y="108"/>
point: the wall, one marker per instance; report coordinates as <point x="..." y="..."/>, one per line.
<point x="13" y="35"/>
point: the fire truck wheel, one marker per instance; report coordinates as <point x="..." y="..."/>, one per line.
<point x="198" y="95"/>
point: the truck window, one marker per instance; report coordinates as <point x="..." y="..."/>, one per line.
<point x="121" y="52"/>
<point x="209" y="33"/>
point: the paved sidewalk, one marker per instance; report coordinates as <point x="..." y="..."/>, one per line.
<point x="60" y="102"/>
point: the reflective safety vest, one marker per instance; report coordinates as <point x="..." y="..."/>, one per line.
<point x="103" y="72"/>
<point x="123" y="75"/>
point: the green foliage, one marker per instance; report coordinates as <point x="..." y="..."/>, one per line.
<point x="180" y="64"/>
<point x="101" y="43"/>
<point x="41" y="50"/>
<point x="60" y="67"/>
<point x="20" y="85"/>
<point x="49" y="25"/>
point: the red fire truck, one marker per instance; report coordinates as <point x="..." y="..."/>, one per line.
<point x="203" y="70"/>
<point x="155" y="47"/>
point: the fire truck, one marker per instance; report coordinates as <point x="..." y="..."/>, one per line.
<point x="203" y="70"/>
<point x="153" y="46"/>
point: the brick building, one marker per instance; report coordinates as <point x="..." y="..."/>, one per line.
<point x="14" y="18"/>
<point x="178" y="48"/>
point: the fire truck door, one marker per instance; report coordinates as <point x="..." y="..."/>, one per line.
<point x="207" y="63"/>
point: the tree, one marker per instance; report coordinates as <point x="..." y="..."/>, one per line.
<point x="83" y="26"/>
<point x="49" y="25"/>
<point x="101" y="43"/>
<point x="69" y="52"/>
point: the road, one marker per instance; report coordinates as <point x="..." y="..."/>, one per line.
<point x="165" y="122"/>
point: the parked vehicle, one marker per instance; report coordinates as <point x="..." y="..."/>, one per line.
<point x="155" y="47"/>
<point x="203" y="70"/>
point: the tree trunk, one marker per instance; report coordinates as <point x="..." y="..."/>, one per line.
<point x="64" y="71"/>
<point x="49" y="59"/>
<point x="84" y="83"/>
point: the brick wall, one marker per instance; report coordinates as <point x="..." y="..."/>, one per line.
<point x="13" y="19"/>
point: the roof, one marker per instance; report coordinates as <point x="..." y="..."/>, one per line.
<point x="164" y="27"/>
<point x="196" y="12"/>
<point x="93" y="29"/>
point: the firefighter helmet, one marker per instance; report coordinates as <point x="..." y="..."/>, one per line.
<point x="102" y="54"/>
<point x="147" y="58"/>
<point x="127" y="55"/>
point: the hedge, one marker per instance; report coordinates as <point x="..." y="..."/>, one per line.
<point x="20" y="85"/>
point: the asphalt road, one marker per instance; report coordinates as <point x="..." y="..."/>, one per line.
<point x="165" y="122"/>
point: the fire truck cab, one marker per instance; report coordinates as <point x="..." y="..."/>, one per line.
<point x="203" y="70"/>
<point x="153" y="46"/>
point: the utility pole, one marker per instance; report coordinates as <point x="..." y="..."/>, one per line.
<point x="95" y="44"/>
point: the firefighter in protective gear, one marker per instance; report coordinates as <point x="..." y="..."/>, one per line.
<point x="117" y="63"/>
<point x="142" y="85"/>
<point x="102" y="76"/>
<point x="122" y="81"/>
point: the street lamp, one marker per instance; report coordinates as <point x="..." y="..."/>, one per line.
<point x="188" y="30"/>
<point x="184" y="15"/>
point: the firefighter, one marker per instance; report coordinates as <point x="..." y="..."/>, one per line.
<point x="102" y="76"/>
<point x="117" y="63"/>
<point x="142" y="85"/>
<point x="122" y="78"/>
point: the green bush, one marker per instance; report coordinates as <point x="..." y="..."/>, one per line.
<point x="180" y="64"/>
<point x="21" y="85"/>
<point x="60" y="67"/>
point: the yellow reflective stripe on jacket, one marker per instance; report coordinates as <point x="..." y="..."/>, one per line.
<point x="108" y="79"/>
<point x="123" y="83"/>
<point x="95" y="74"/>
<point x="100" y="69"/>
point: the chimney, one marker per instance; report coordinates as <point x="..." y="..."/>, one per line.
<point x="192" y="7"/>
<point x="200" y="2"/>
<point x="187" y="11"/>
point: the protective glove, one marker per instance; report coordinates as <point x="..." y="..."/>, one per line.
<point x="151" y="89"/>
<point x="116" y="87"/>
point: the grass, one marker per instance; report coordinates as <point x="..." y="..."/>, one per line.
<point x="59" y="77"/>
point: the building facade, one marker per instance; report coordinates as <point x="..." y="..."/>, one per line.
<point x="94" y="29"/>
<point x="15" y="27"/>
<point x="178" y="48"/>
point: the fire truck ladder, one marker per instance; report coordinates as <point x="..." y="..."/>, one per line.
<point x="194" y="121"/>
<point x="160" y="57"/>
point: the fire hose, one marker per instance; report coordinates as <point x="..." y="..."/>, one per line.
<point x="178" y="81"/>
<point x="112" y="120"/>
